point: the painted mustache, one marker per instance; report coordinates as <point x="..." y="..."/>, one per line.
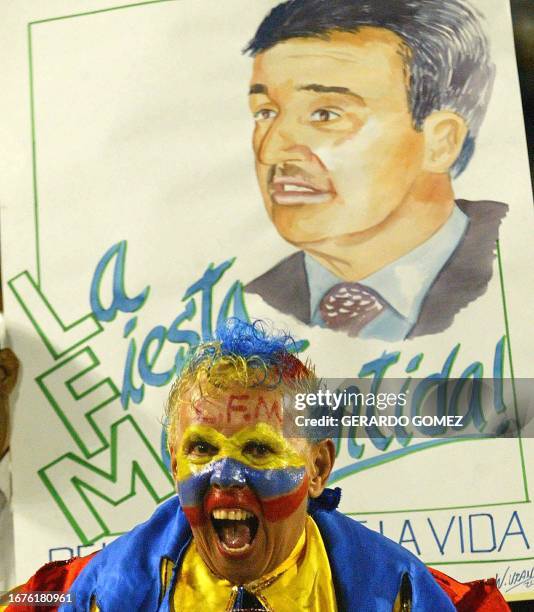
<point x="294" y="187"/>
<point x="292" y="175"/>
<point x="242" y="498"/>
<point x="275" y="493"/>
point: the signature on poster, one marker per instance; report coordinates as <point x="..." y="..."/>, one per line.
<point x="513" y="579"/>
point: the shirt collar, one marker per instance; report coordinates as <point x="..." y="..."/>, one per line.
<point x="404" y="283"/>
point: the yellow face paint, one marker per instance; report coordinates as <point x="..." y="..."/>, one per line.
<point x="259" y="446"/>
<point x="257" y="461"/>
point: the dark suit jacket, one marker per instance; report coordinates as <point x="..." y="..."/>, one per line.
<point x="463" y="279"/>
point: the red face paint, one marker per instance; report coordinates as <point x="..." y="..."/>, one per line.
<point x="282" y="507"/>
<point x="271" y="506"/>
<point x="242" y="498"/>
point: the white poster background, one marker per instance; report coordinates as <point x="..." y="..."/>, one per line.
<point x="131" y="124"/>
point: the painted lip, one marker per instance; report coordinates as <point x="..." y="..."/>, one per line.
<point x="291" y="191"/>
<point x="238" y="498"/>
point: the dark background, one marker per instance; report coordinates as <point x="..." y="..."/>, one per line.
<point x="523" y="17"/>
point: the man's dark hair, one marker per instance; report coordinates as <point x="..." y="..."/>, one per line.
<point x="449" y="60"/>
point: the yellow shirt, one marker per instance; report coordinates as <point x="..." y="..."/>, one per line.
<point x="302" y="582"/>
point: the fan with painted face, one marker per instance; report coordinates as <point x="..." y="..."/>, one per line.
<point x="243" y="486"/>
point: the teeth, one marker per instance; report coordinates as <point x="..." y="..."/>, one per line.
<point x="291" y="187"/>
<point x="231" y="515"/>
<point x="236" y="550"/>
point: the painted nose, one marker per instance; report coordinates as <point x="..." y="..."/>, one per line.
<point x="281" y="144"/>
<point x="228" y="473"/>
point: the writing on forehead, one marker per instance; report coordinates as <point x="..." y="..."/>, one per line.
<point x="238" y="410"/>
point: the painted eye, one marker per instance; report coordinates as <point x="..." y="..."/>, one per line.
<point x="257" y="450"/>
<point x="324" y="115"/>
<point x="265" y="114"/>
<point x="201" y="448"/>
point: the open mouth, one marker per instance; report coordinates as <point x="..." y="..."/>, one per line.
<point x="235" y="528"/>
<point x="288" y="192"/>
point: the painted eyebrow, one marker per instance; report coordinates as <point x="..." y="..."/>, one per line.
<point x="259" y="88"/>
<point x="330" y="89"/>
<point x="198" y="439"/>
<point x="256" y="441"/>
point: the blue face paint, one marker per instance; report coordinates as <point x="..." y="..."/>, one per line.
<point x="276" y="490"/>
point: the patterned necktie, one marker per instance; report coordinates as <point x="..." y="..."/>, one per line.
<point x="247" y="602"/>
<point x="349" y="307"/>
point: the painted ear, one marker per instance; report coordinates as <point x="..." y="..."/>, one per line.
<point x="323" y="457"/>
<point x="445" y="133"/>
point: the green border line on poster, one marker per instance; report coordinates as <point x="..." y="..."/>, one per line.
<point x="30" y="25"/>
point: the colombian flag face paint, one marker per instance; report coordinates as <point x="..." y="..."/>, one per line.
<point x="242" y="485"/>
<point x="255" y="470"/>
<point x="276" y="493"/>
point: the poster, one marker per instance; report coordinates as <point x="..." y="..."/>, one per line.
<point x="132" y="223"/>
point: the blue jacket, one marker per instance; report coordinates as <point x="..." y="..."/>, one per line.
<point x="367" y="568"/>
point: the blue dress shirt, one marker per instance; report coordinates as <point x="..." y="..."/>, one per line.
<point x="402" y="285"/>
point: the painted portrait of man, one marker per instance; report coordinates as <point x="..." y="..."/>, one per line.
<point x="365" y="112"/>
